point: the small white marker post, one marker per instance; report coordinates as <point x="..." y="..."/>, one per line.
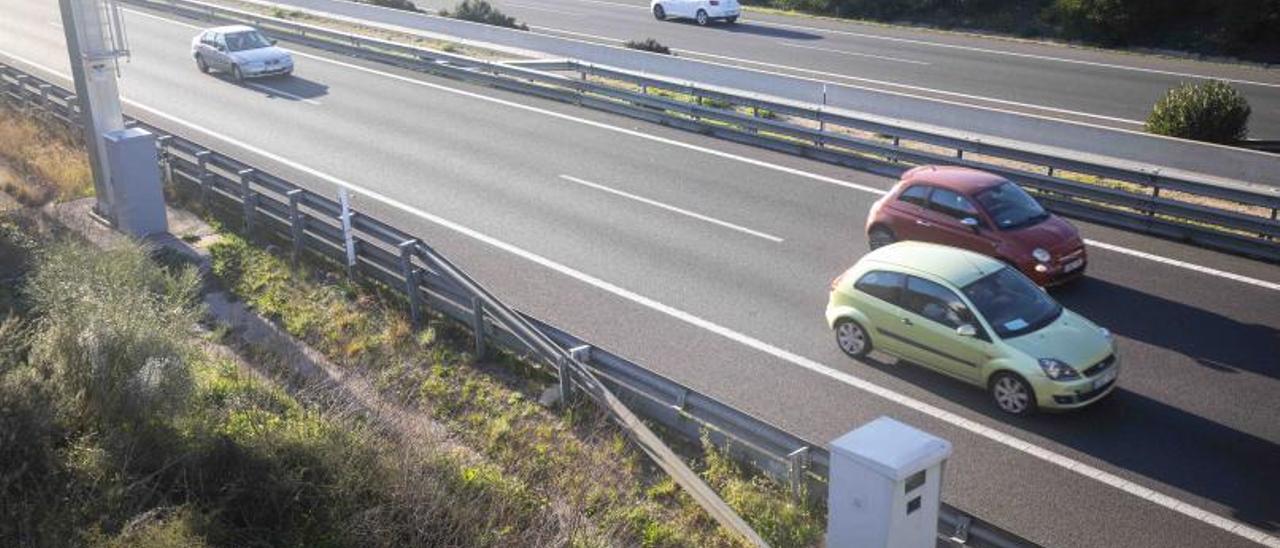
<point x="345" y="216"/>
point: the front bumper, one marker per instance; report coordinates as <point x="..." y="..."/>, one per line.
<point x="264" y="71"/>
<point x="1058" y="271"/>
<point x="1054" y="395"/>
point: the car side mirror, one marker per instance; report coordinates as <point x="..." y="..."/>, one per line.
<point x="970" y="222"/>
<point x="221" y="48"/>
<point x="967" y="330"/>
<point x="274" y="41"/>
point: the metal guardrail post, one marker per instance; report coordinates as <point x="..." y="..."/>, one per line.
<point x="297" y="225"/>
<point x="202" y="163"/>
<point x="248" y="200"/>
<point x="410" y="274"/>
<point x="166" y="163"/>
<point x="478" y="327"/>
<point x="797" y="469"/>
<point x="565" y="376"/>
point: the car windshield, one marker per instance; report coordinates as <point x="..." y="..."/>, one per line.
<point x="1011" y="207"/>
<point x="247" y="40"/>
<point x="1011" y="303"/>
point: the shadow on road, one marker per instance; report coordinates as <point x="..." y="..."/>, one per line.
<point x="290" y="88"/>
<point x="743" y="27"/>
<point x="1211" y="340"/>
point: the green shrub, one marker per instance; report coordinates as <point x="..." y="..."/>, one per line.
<point x="480" y="11"/>
<point x="1212" y="111"/>
<point x="112" y="333"/>
<point x="649" y="44"/>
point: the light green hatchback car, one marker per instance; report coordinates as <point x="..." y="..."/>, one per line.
<point x="974" y="318"/>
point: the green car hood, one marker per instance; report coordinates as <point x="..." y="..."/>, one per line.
<point x="1070" y="338"/>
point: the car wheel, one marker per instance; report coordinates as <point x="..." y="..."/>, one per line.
<point x="236" y="74"/>
<point x="880" y="236"/>
<point x="659" y="12"/>
<point x="852" y="338"/>
<point x="1013" y="394"/>
<point x="702" y="18"/>
<point x="200" y="64"/>
<point x="731" y="20"/>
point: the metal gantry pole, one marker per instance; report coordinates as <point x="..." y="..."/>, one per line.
<point x="94" y="44"/>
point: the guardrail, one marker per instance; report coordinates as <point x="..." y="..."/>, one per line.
<point x="1230" y="216"/>
<point x="306" y="223"/>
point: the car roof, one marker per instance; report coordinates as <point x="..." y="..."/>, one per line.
<point x="960" y="179"/>
<point x="956" y="266"/>
<point x="228" y="29"/>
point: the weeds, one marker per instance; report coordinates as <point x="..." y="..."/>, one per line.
<point x="43" y="161"/>
<point x="481" y="11"/>
<point x="648" y="44"/>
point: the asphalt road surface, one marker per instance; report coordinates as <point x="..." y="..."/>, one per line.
<point x="1088" y="85"/>
<point x="555" y="208"/>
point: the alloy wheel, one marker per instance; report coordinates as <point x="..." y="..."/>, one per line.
<point x="1011" y="395"/>
<point x="851" y="338"/>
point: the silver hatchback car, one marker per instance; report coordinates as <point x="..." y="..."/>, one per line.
<point x="241" y="51"/>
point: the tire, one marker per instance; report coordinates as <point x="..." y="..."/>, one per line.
<point x="201" y="65"/>
<point x="702" y="18"/>
<point x="731" y="20"/>
<point x="880" y="236"/>
<point x="236" y="74"/>
<point x="852" y="338"/>
<point x="1012" y="394"/>
<point x="659" y="12"/>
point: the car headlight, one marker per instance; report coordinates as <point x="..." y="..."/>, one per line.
<point x="1058" y="371"/>
<point x="1106" y="334"/>
<point x="1040" y="254"/>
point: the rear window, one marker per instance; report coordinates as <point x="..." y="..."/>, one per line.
<point x="882" y="285"/>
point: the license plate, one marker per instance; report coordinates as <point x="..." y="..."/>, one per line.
<point x="1106" y="377"/>
<point x="1073" y="265"/>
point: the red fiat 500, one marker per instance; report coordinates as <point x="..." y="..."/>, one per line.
<point x="981" y="212"/>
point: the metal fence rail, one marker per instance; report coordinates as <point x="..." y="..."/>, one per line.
<point x="275" y="209"/>
<point x="1227" y="215"/>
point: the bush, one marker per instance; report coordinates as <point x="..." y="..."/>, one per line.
<point x="649" y="44"/>
<point x="480" y="11"/>
<point x="112" y="332"/>
<point x="1212" y="111"/>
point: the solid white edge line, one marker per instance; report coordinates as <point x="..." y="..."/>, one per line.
<point x="978" y="98"/>
<point x="855" y="54"/>
<point x="1185" y="265"/>
<point x="548" y="10"/>
<point x="672" y="208"/>
<point x="1231" y="526"/>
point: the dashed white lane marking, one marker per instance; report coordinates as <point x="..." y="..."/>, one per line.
<point x="672" y="208"/>
<point x="855" y="54"/>
<point x="1165" y="501"/>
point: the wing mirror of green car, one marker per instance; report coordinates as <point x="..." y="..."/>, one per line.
<point x="967" y="330"/>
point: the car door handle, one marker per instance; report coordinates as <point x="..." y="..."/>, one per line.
<point x="907" y="321"/>
<point x="923" y="223"/>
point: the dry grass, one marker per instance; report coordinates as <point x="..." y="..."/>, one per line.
<point x="40" y="162"/>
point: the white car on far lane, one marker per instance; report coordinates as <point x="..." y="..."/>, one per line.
<point x="701" y="11"/>
<point x="241" y="51"/>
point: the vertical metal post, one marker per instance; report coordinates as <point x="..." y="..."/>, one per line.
<point x="202" y="163"/>
<point x="347" y="237"/>
<point x="92" y="53"/>
<point x="166" y="161"/>
<point x="248" y="199"/>
<point x="410" y="274"/>
<point x="1049" y="171"/>
<point x="822" y="124"/>
<point x="797" y="467"/>
<point x="959" y="154"/>
<point x="565" y="376"/>
<point x="478" y="326"/>
<point x="297" y="225"/>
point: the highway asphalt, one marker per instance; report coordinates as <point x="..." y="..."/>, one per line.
<point x="1075" y="83"/>
<point x="709" y="262"/>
